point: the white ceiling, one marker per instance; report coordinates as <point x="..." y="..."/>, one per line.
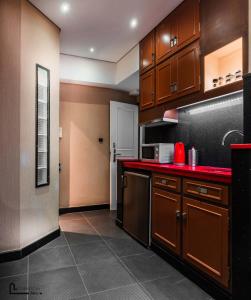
<point x="104" y="24"/>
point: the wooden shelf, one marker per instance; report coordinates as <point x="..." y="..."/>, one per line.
<point x="224" y="90"/>
<point x="220" y="63"/>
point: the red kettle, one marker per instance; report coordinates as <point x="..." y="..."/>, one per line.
<point x="179" y="154"/>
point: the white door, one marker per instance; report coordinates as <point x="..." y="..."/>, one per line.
<point x="123" y="140"/>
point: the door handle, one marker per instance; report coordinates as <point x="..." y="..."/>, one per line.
<point x="115" y="154"/>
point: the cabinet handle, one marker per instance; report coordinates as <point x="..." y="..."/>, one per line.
<point x="172" y="43"/>
<point x="178" y="215"/>
<point x="184" y="216"/>
<point x="163" y="181"/>
<point x="173" y="87"/>
<point x="175" y="42"/>
<point x="202" y="190"/>
<point x="153" y="57"/>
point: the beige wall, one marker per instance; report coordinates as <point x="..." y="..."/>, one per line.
<point x="9" y="124"/>
<point x="26" y="38"/>
<point x="39" y="44"/>
<point x="84" y="117"/>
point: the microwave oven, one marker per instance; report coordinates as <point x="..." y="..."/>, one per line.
<point x="157" y="153"/>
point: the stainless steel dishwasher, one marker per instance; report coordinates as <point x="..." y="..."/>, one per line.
<point x="136" y="206"/>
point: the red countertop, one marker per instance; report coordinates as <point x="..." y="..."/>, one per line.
<point x="241" y="146"/>
<point x="222" y="175"/>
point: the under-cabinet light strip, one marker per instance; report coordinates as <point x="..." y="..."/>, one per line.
<point x="215" y="106"/>
<point x="210" y="99"/>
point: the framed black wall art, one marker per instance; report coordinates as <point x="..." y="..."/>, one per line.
<point x="42" y="126"/>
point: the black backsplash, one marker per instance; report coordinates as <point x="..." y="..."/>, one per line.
<point x="204" y="129"/>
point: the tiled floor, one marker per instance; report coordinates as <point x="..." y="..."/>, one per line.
<point x="95" y="260"/>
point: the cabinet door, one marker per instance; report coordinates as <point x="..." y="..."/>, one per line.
<point x="205" y="238"/>
<point x="163" y="40"/>
<point x="188" y="69"/>
<point x="147" y="52"/>
<point x="165" y="219"/>
<point x="187" y="23"/>
<point x="166" y="78"/>
<point x="147" y="90"/>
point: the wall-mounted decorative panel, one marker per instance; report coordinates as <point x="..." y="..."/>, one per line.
<point x="42" y="126"/>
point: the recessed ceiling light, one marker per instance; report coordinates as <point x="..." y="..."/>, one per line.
<point x="65" y="7"/>
<point x="92" y="49"/>
<point x="134" y="23"/>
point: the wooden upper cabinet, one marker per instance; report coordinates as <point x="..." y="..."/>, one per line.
<point x="147" y="90"/>
<point x="179" y="75"/>
<point x="163" y="82"/>
<point x="163" y="39"/>
<point x="188" y="70"/>
<point x="205" y="238"/>
<point x="178" y="29"/>
<point x="166" y="219"/>
<point x="187" y="23"/>
<point x="147" y="52"/>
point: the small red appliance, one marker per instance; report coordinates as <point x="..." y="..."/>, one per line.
<point x="179" y="154"/>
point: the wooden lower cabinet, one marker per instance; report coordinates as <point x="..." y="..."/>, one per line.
<point x="166" y="208"/>
<point x="205" y="238"/>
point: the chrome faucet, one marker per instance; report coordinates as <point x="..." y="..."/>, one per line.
<point x="228" y="133"/>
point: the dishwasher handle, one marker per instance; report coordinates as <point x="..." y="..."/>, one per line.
<point x="137" y="175"/>
<point x="124" y="181"/>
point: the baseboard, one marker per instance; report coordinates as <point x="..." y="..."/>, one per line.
<point x="66" y="210"/>
<point x="18" y="254"/>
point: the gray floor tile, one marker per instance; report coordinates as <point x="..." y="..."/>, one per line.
<point x="16" y="267"/>
<point x="20" y="283"/>
<point x="75" y="238"/>
<point x="81" y="298"/>
<point x="132" y="292"/>
<point x="58" y="242"/>
<point x="60" y="284"/>
<point x="163" y="289"/>
<point x="80" y="225"/>
<point x="186" y="289"/>
<point x="125" y="247"/>
<point x="71" y="216"/>
<point x="49" y="259"/>
<point x="147" y="266"/>
<point x="108" y="231"/>
<point x="104" y="274"/>
<point x="97" y="213"/>
<point x="90" y="253"/>
<point x="160" y="289"/>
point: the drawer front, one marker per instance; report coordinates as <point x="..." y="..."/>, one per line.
<point x="167" y="182"/>
<point x="206" y="190"/>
